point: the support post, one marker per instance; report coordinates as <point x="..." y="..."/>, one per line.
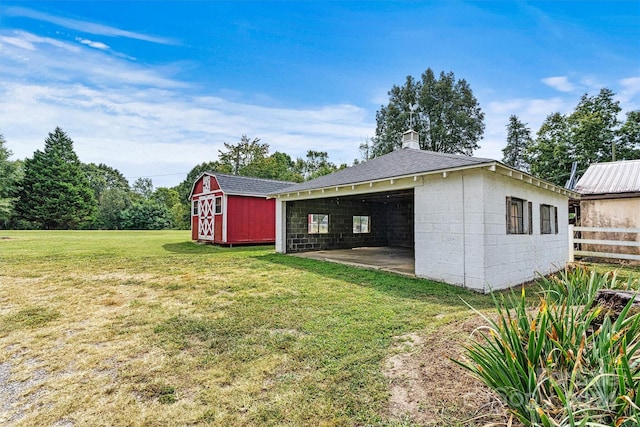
<point x="571" y="250"/>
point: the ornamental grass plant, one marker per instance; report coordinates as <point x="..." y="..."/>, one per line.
<point x="564" y="360"/>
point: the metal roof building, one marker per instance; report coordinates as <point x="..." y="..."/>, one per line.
<point x="620" y="178"/>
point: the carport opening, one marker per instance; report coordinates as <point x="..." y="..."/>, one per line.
<point x="375" y="220"/>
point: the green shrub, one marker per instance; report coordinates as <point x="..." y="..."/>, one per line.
<point x="563" y="361"/>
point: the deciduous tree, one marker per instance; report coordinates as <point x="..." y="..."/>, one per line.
<point x="594" y="124"/>
<point x="447" y="116"/>
<point x="240" y="155"/>
<point x="591" y="133"/>
<point x="317" y="164"/>
<point x="143" y="187"/>
<point x="146" y="215"/>
<point x="112" y="192"/>
<point x="552" y="153"/>
<point x="628" y="145"/>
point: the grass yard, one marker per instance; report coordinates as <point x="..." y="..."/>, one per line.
<point x="149" y="329"/>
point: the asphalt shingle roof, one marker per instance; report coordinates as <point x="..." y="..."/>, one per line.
<point x="610" y="178"/>
<point x="235" y="184"/>
<point x="395" y="164"/>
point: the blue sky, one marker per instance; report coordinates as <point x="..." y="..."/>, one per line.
<point x="155" y="87"/>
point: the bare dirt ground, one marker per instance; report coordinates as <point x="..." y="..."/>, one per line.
<point x="428" y="389"/>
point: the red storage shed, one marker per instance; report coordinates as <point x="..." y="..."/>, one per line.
<point x="230" y="209"/>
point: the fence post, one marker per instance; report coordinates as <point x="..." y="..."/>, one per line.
<point x="571" y="253"/>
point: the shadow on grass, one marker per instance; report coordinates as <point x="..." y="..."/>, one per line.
<point x="393" y="284"/>
<point x="207" y="248"/>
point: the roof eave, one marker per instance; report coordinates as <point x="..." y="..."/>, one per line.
<point x="596" y="196"/>
<point x="523" y="176"/>
<point x="362" y="186"/>
<point x="195" y="181"/>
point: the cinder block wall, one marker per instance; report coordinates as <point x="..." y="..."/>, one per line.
<point x="391" y="224"/>
<point x="513" y="259"/>
<point x="461" y="234"/>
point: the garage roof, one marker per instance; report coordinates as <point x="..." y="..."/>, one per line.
<point x="611" y="178"/>
<point x="395" y="164"/>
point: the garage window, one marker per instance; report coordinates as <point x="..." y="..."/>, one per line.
<point x="318" y="223"/>
<point x="519" y="217"/>
<point x="218" y="205"/>
<point x="361" y="224"/>
<point x="548" y="219"/>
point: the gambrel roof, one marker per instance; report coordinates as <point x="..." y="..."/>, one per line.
<point x="244" y="185"/>
<point x="620" y="177"/>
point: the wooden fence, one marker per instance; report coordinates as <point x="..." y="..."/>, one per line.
<point x="589" y="238"/>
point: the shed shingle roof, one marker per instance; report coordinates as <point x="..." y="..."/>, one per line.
<point x="611" y="178"/>
<point x="234" y="184"/>
<point x="395" y="164"/>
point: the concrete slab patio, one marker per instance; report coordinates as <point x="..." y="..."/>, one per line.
<point x="385" y="258"/>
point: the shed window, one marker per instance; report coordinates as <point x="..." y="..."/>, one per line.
<point x="361" y="224"/>
<point x="318" y="223"/>
<point x="548" y="219"/>
<point x="519" y="218"/>
<point x="194" y="207"/>
<point x="218" y="205"/>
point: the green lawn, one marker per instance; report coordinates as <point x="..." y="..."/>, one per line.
<point x="147" y="328"/>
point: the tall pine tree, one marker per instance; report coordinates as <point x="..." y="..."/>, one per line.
<point x="518" y="140"/>
<point x="55" y="191"/>
<point x="9" y="179"/>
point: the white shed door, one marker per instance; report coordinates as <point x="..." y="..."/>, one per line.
<point x="206" y="208"/>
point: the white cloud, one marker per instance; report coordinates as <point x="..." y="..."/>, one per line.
<point x="91" y="43"/>
<point x="630" y="92"/>
<point x="162" y="132"/>
<point x="85" y="26"/>
<point x="54" y="60"/>
<point x="560" y="83"/>
<point x="532" y="112"/>
<point x="146" y="123"/>
<point x="18" y="42"/>
<point x="28" y="41"/>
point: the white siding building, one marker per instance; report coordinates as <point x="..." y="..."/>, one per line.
<point x="471" y="222"/>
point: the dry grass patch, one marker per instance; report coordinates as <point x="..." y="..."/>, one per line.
<point x="428" y="389"/>
<point x="147" y="328"/>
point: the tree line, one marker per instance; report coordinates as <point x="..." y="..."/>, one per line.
<point x="54" y="190"/>
<point x="592" y="133"/>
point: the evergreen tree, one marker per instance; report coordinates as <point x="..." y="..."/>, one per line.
<point x="9" y="180"/>
<point x="518" y="141"/>
<point x="55" y="192"/>
<point x="447" y="116"/>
